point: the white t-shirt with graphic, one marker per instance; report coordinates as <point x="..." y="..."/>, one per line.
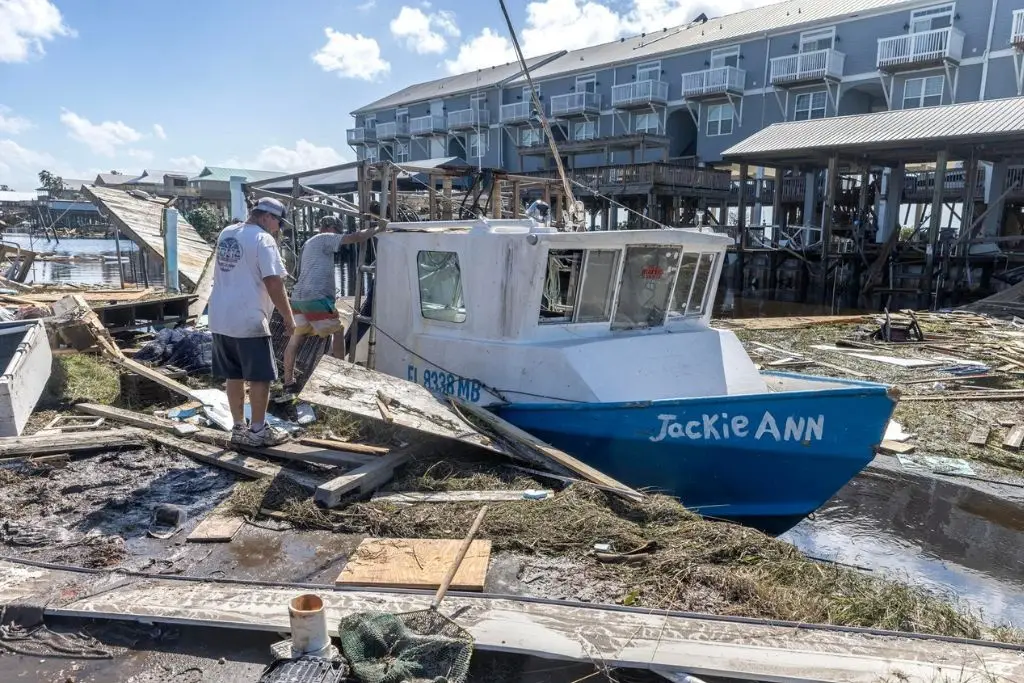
<point x="240" y="305"/>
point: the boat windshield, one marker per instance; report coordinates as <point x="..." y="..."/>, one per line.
<point x="639" y="286"/>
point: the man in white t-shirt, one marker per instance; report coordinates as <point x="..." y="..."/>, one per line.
<point x="247" y="286"/>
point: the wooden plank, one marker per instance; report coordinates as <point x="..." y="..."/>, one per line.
<point x="789" y="323"/>
<point x="979" y="435"/>
<point x="218" y="457"/>
<point x="498" y="496"/>
<point x="105" y="439"/>
<point x="618" y="637"/>
<point x="141" y="220"/>
<point x="137" y="419"/>
<point x="74" y="307"/>
<point x="94" y="296"/>
<point x="365" y="479"/>
<point x="1015" y="438"/>
<point x="561" y="458"/>
<point x="895" y="448"/>
<point x="204" y="288"/>
<point x="336" y="445"/>
<point x="415" y="563"/>
<point x="154" y="375"/>
<point x="218" y="527"/>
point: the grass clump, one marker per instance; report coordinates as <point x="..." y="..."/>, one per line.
<point x="83" y="377"/>
<point x="281" y="495"/>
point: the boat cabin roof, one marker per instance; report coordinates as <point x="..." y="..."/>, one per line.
<point x="518" y="281"/>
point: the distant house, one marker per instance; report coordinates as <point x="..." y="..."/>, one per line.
<point x="161" y="183"/>
<point x="214" y="183"/>
<point x="72" y="188"/>
<point x="116" y="181"/>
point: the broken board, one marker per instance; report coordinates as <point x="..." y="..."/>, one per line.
<point x="979" y="436"/>
<point x="496" y="496"/>
<point x="415" y="563"/>
<point x="218" y="527"/>
<point x="1014" y="438"/>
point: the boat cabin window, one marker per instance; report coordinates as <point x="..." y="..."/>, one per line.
<point x="440" y="286"/>
<point x="579" y="286"/>
<point x="693" y="285"/>
<point x="648" y="276"/>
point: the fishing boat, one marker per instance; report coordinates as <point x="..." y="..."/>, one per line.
<point x="600" y="344"/>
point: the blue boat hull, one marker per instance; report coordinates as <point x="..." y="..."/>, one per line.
<point x="765" y="460"/>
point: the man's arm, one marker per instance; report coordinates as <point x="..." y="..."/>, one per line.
<point x="360" y="236"/>
<point x="275" y="288"/>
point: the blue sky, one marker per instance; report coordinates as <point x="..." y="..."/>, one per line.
<point x="100" y="85"/>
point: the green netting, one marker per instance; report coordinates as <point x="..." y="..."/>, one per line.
<point x="414" y="647"/>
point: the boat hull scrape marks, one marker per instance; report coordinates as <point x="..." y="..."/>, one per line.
<point x="766" y="460"/>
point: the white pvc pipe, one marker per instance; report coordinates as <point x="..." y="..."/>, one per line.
<point x="309" y="626"/>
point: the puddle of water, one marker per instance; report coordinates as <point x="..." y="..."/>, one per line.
<point x="928" y="532"/>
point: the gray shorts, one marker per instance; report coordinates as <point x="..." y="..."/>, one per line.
<point x="248" y="358"/>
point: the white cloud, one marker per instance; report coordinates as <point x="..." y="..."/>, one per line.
<point x="13" y="155"/>
<point x="188" y="163"/>
<point x="158" y="130"/>
<point x="143" y="155"/>
<point x="102" y="138"/>
<point x="553" y="25"/>
<point x="367" y="6"/>
<point x="12" y="124"/>
<point x="486" y="49"/>
<point x="351" y="56"/>
<point x="424" y="33"/>
<point x="302" y="157"/>
<point x="25" y="25"/>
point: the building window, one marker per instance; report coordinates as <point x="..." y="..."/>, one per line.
<point x="932" y="18"/>
<point x="720" y="119"/>
<point x="371" y="155"/>
<point x="370" y="123"/>
<point x="527" y="97"/>
<point x="647" y="123"/>
<point x="401" y="152"/>
<point x="478" y="145"/>
<point x="923" y="92"/>
<point x="584" y="130"/>
<point x="586" y="83"/>
<point x="402" y="115"/>
<point x="822" y="39"/>
<point x="530" y="137"/>
<point x="810" y="105"/>
<point x="651" y="71"/>
<point x="725" y="56"/>
<point x="440" y="283"/>
<point x="478" y="102"/>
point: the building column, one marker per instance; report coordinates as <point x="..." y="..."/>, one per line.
<point x="755" y="219"/>
<point x="889" y="207"/>
<point x="828" y="205"/>
<point x="810" y="201"/>
<point x="778" y="220"/>
<point x="995" y="187"/>
<point x="741" y="227"/>
<point x="935" y="222"/>
<point x="606" y="214"/>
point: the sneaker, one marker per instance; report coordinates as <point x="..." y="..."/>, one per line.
<point x="268" y="436"/>
<point x="289" y="392"/>
<point x="237" y="433"/>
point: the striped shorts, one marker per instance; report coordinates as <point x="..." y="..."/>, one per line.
<point x="317" y="316"/>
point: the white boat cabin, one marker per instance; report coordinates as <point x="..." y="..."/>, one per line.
<point x="541" y="316"/>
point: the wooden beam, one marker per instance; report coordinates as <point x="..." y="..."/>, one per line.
<point x="305" y="174"/>
<point x="204" y="289"/>
<point x="941" y="161"/>
<point x="1015" y="438"/>
<point x="365" y="479"/>
<point x="497" y="496"/>
<point x="614" y="636"/>
<point x="103" y="439"/>
<point x="336" y="445"/>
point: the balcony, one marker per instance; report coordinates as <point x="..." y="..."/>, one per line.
<point x="360" y="136"/>
<point x="916" y="50"/>
<point x="726" y="80"/>
<point x="518" y="112"/>
<point x="392" y="130"/>
<point x="1017" y="37"/>
<point x="640" y="94"/>
<point x="424" y="126"/>
<point x="808" y="67"/>
<point x="575" y="104"/>
<point x="465" y="119"/>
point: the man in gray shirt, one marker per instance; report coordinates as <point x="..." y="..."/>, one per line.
<point x="313" y="298"/>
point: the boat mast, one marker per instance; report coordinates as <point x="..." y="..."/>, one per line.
<point x="573" y="215"/>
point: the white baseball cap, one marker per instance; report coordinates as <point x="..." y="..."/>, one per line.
<point x="273" y="207"/>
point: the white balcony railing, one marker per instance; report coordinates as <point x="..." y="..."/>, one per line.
<point x="575" y="103"/>
<point x="926" y="46"/>
<point x="392" y="129"/>
<point x="1017" y="37"/>
<point x="717" y="81"/>
<point x="468" y="118"/>
<point x="360" y="136"/>
<point x="808" y="66"/>
<point x="639" y="93"/>
<point x="427" y="125"/>
<point x="517" y="112"/>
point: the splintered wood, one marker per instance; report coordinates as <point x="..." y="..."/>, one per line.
<point x="415" y="563"/>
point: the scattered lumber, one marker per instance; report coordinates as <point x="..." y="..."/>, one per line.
<point x="105" y="439"/>
<point x="979" y="435"/>
<point x="219" y="457"/>
<point x="336" y="445"/>
<point x="968" y="396"/>
<point x="415" y="563"/>
<point x="1014" y="438"/>
<point x="136" y="419"/>
<point x="218" y="527"/>
<point x="895" y="448"/>
<point x="497" y="496"/>
<point x="364" y="480"/>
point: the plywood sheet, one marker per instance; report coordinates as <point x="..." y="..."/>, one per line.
<point x="140" y="220"/>
<point x="415" y="563"/>
<point x="218" y="527"/>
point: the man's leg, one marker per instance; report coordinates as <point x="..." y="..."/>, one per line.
<point x="259" y="396"/>
<point x="260" y="369"/>
<point x="227" y="365"/>
<point x="236" y="400"/>
<point x="290" y="353"/>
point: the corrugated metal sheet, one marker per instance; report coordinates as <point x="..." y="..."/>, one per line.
<point x="947" y="123"/>
<point x="223" y="174"/>
<point x="151" y="176"/>
<point x="454" y="85"/>
<point x="728" y="29"/>
<point x="116" y="178"/>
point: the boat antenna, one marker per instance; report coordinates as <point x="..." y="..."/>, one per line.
<point x="573" y="215"/>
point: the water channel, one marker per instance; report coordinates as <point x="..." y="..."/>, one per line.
<point x="953" y="536"/>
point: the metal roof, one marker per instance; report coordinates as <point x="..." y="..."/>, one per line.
<point x="152" y="175"/>
<point x="223" y="174"/>
<point x="115" y="178"/>
<point x="453" y="85"/>
<point x="732" y="28"/>
<point x="908" y="135"/>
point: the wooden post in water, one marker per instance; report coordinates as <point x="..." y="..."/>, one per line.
<point x="831" y="182"/>
<point x="935" y="221"/>
<point x="117" y="248"/>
